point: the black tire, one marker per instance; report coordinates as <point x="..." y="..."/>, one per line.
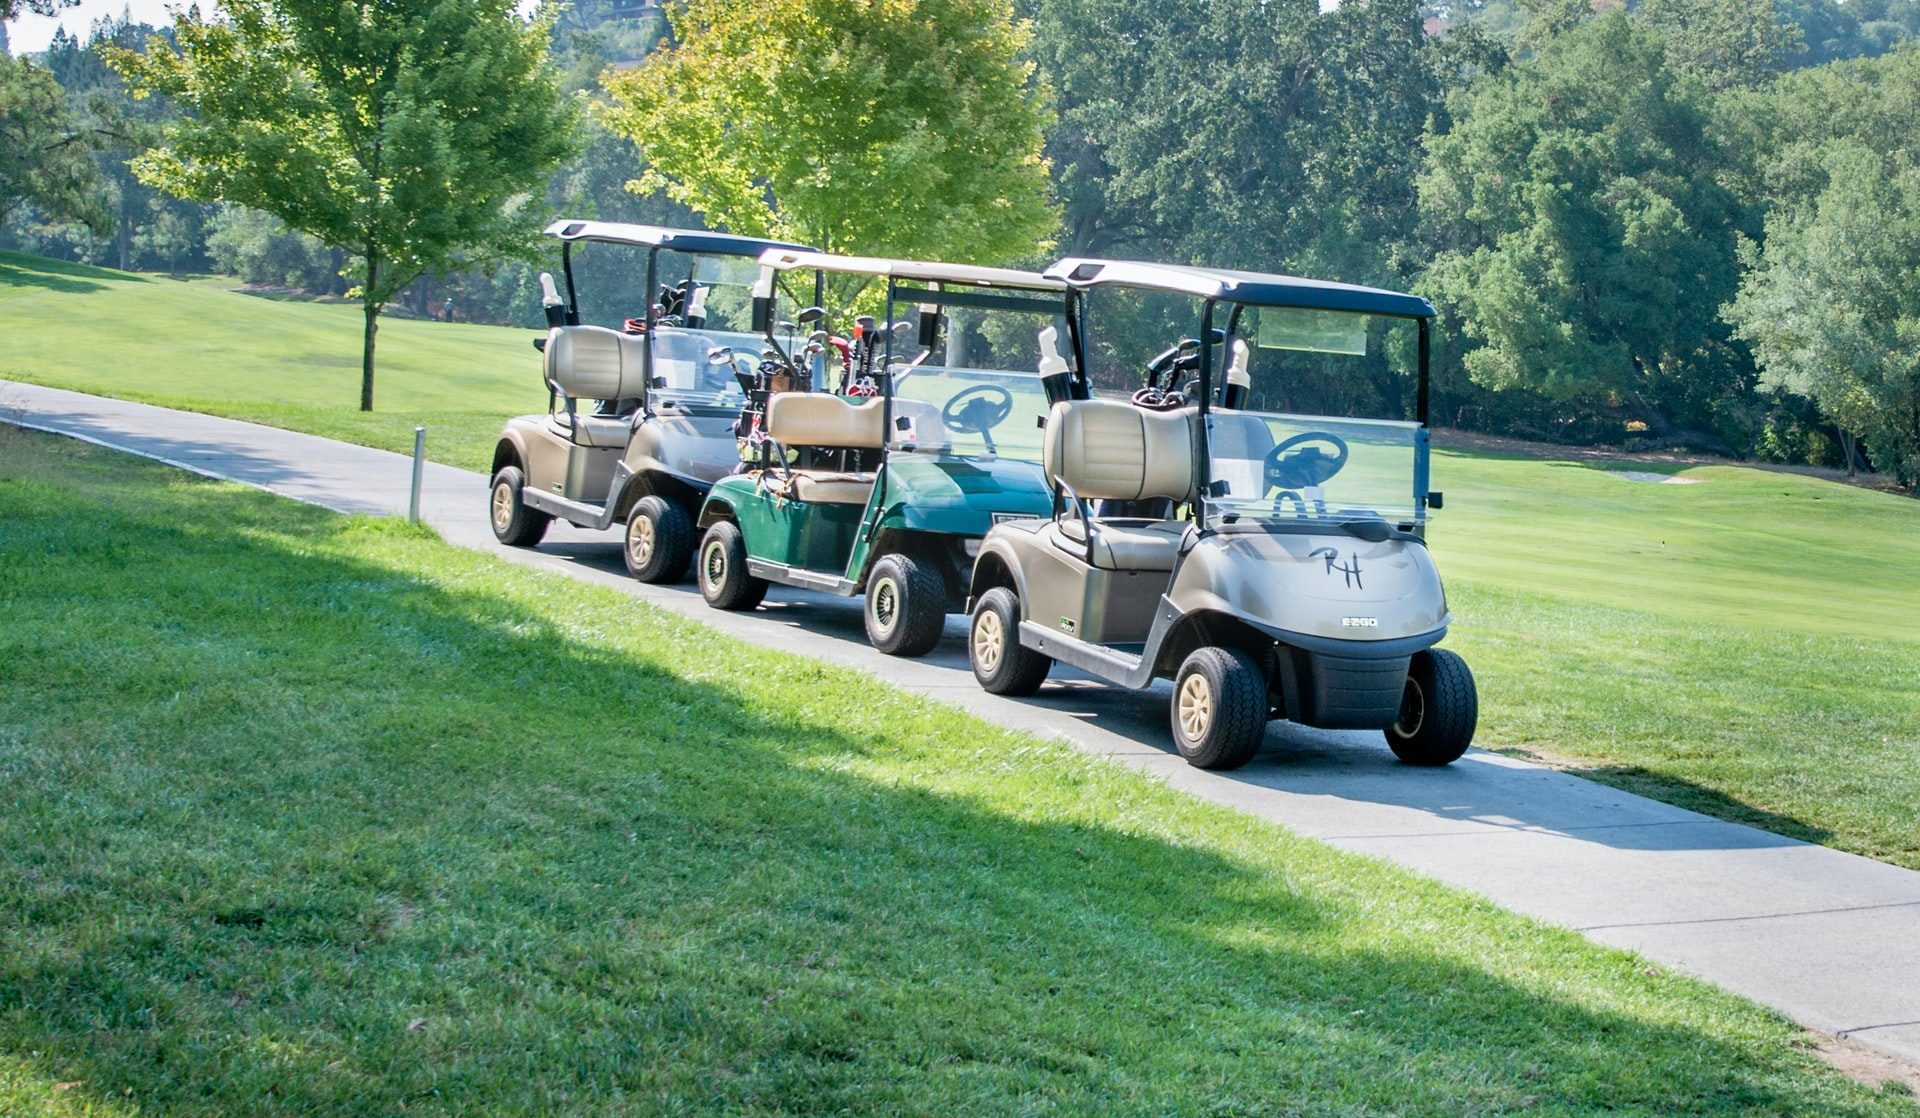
<point x="1000" y="662"/>
<point x="514" y="524"/>
<point x="724" y="581"/>
<point x="906" y="605"/>
<point x="659" y="540"/>
<point x="1219" y="709"/>
<point x="1438" y="711"/>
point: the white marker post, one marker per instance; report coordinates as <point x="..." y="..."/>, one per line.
<point x="419" y="463"/>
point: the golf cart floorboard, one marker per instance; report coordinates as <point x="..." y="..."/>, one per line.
<point x="1116" y="663"/>
<point x="574" y="512"/>
<point x="801" y="577"/>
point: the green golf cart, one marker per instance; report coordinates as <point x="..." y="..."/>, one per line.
<point x="922" y="435"/>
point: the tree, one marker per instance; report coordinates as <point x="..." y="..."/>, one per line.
<point x="1725" y="43"/>
<point x="416" y="134"/>
<point x="1586" y="242"/>
<point x="46" y="154"/>
<point x="1831" y="305"/>
<point x="12" y="8"/>
<point x="899" y="127"/>
<point x="45" y="150"/>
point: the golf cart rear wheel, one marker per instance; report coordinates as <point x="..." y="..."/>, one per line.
<point x="724" y="581"/>
<point x="1219" y="708"/>
<point x="514" y="524"/>
<point x="659" y="540"/>
<point x="906" y="606"/>
<point x="1000" y="662"/>
<point x="1438" y="710"/>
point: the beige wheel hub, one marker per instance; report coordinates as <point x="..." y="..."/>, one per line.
<point x="715" y="567"/>
<point x="640" y="540"/>
<point x="1196" y="707"/>
<point x="989" y="641"/>
<point x="1413" y="711"/>
<point x="886" y="604"/>
<point x="502" y="506"/>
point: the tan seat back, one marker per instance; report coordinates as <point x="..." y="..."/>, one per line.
<point x="1108" y="450"/>
<point x="595" y="363"/>
<point x="823" y="419"/>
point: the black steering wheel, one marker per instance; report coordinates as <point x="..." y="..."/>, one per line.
<point x="1289" y="469"/>
<point x="977" y="410"/>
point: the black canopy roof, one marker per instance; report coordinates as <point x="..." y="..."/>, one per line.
<point x="657" y="236"/>
<point x="1255" y="288"/>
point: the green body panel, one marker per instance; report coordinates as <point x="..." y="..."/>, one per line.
<point x="816" y="537"/>
<point x="948" y="496"/>
<point x="951" y="496"/>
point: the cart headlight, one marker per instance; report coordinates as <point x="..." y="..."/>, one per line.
<point x="972" y="548"/>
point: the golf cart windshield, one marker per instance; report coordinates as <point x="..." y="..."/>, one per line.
<point x="1278" y="467"/>
<point x="1278" y="461"/>
<point x="705" y="335"/>
<point x="688" y="369"/>
<point x="942" y="409"/>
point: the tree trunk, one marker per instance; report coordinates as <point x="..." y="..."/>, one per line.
<point x="366" y="356"/>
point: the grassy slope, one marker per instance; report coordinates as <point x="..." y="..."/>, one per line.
<point x="1748" y="646"/>
<point x="577" y="857"/>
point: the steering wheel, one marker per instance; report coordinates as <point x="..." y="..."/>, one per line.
<point x="1289" y="469"/>
<point x="977" y="410"/>
<point x="1159" y="399"/>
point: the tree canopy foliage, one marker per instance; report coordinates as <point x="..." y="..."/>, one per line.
<point x="1588" y="243"/>
<point x="895" y="127"/>
<point x="46" y="155"/>
<point x="416" y="134"/>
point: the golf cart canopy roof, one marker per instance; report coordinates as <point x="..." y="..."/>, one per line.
<point x="1254" y="288"/>
<point x="656" y="236"/>
<point x="783" y="259"/>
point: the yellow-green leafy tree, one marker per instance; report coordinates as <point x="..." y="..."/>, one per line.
<point x="893" y="127"/>
<point x="415" y="134"/>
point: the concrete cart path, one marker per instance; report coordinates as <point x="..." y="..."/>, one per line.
<point x="1831" y="939"/>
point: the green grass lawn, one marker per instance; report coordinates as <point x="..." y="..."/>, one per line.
<point x="1748" y="645"/>
<point x="318" y="815"/>
<point x="195" y="344"/>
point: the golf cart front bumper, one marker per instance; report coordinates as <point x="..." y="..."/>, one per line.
<point x="1342" y="684"/>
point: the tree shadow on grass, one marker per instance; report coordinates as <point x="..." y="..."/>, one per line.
<point x="353" y="835"/>
<point x="21" y="270"/>
<point x="1685" y="793"/>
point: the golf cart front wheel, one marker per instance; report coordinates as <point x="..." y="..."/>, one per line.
<point x="1219" y="708"/>
<point x="514" y="524"/>
<point x="1000" y="662"/>
<point x="1438" y="710"/>
<point x="906" y="606"/>
<point x="724" y="581"/>
<point x="659" y="540"/>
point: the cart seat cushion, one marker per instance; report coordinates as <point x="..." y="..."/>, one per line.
<point x="1151" y="546"/>
<point x="1109" y="450"/>
<point x="824" y="419"/>
<point x="595" y="363"/>
<point x="823" y="487"/>
<point x="595" y="431"/>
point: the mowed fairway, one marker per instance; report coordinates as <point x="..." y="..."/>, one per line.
<point x="195" y="344"/>
<point x="320" y="815"/>
<point x="1747" y="645"/>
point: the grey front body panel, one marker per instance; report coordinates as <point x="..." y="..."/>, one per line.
<point x="678" y="455"/>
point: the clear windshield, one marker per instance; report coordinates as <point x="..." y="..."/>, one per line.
<point x="687" y="361"/>
<point x="968" y="411"/>
<point x="1303" y="467"/>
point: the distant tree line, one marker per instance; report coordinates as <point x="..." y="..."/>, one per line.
<point x="1662" y="223"/>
